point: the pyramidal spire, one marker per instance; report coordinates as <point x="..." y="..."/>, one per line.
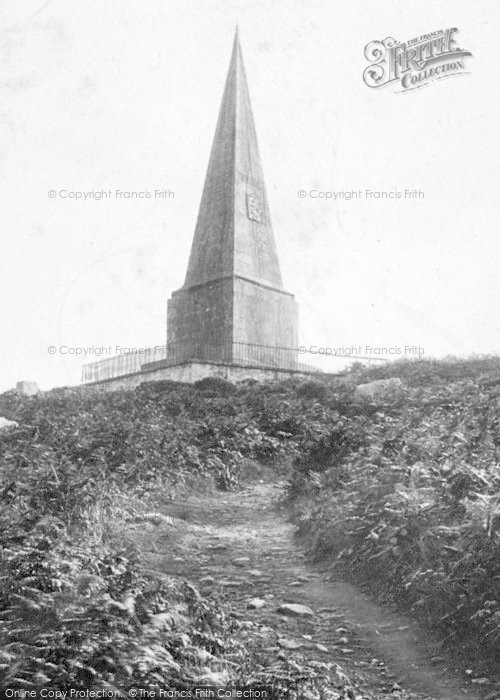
<point x="233" y="235"/>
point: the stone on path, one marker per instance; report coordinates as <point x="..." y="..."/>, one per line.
<point x="256" y="603"/>
<point x="295" y="610"/>
<point x="6" y="423"/>
<point x="437" y="659"/>
<point x="289" y="643"/>
<point x="241" y="561"/>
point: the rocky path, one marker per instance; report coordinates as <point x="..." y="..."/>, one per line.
<point x="239" y="548"/>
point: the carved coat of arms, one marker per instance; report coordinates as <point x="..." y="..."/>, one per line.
<point x="254" y="207"/>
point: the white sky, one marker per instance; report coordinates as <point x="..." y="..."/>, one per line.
<point x="107" y="94"/>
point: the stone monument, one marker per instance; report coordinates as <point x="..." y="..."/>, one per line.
<point x="232" y="306"/>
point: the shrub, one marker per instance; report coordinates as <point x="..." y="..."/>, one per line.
<point x="312" y="390"/>
<point x="216" y="385"/>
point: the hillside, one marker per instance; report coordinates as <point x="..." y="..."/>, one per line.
<point x="397" y="491"/>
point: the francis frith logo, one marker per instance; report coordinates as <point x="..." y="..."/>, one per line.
<point x="416" y="62"/>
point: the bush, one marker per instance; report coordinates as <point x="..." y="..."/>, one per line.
<point x="312" y="390"/>
<point x="215" y="385"/>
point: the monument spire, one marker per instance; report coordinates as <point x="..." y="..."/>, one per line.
<point x="232" y="306"/>
<point x="233" y="235"/>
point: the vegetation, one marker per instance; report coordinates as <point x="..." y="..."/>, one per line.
<point x="77" y="607"/>
<point x="403" y="492"/>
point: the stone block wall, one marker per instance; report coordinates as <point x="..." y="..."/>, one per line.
<point x="233" y="320"/>
<point x="266" y="317"/>
<point x="199" y="322"/>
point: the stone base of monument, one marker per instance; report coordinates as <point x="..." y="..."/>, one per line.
<point x="190" y="372"/>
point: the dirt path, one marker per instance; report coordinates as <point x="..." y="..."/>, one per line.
<point x="239" y="546"/>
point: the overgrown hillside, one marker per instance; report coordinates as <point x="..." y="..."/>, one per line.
<point x="77" y="608"/>
<point x="403" y="493"/>
<point x="404" y="489"/>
